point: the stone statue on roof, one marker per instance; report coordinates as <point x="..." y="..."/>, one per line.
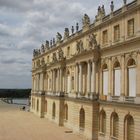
<point x="66" y="33"/>
<point x="86" y="20"/>
<point x="42" y="48"/>
<point x="100" y="14"/>
<point x="58" y="37"/>
<point x="39" y="52"/>
<point x="47" y="45"/>
<point x="34" y="52"/>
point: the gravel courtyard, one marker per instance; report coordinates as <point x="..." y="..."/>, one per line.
<point x="21" y="125"/>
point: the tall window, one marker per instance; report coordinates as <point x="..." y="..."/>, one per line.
<point x="53" y="111"/>
<point x="102" y="122"/>
<point x="129" y="128"/>
<point x="130" y="27"/>
<point x="114" y="125"/>
<point x="105" y="79"/>
<point x="131" y="78"/>
<point x="116" y="33"/>
<point x="66" y="112"/>
<point x="82" y="119"/>
<point x="117" y="79"/>
<point x="105" y="37"/>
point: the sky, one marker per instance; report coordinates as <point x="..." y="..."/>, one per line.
<point x="26" y="24"/>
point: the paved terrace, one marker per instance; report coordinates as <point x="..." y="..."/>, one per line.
<point x="21" y="125"/>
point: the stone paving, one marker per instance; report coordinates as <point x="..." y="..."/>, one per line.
<point x="22" y="125"/>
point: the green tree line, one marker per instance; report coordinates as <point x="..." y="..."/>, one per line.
<point x="15" y="93"/>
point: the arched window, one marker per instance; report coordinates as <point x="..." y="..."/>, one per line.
<point x="105" y="79"/>
<point x="129" y="128"/>
<point x="45" y="109"/>
<point x="66" y="112"/>
<point x="37" y="105"/>
<point x="114" y="125"/>
<point x="53" y="110"/>
<point x="102" y="122"/>
<point x="131" y="65"/>
<point x="117" y="79"/>
<point x="82" y="119"/>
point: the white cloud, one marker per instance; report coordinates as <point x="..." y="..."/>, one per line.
<point x="25" y="25"/>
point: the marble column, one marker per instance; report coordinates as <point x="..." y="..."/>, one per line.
<point x="60" y="80"/>
<point x="89" y="78"/>
<point x="52" y="81"/>
<point x="110" y="78"/>
<point x="38" y="82"/>
<point x="122" y="76"/>
<point x="138" y="76"/>
<point x="126" y="81"/>
<point x="138" y="21"/>
<point x="80" y="78"/>
<point x="35" y="82"/>
<point x="77" y="78"/>
<point x="42" y="81"/>
<point x="93" y="89"/>
<point x="57" y="81"/>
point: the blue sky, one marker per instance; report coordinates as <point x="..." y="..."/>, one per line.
<point x="26" y="24"/>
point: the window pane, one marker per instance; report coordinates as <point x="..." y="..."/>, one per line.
<point x="132" y="82"/>
<point x="117" y="82"/>
<point x="131" y="27"/>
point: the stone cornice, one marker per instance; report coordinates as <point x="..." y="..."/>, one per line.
<point x="120" y="44"/>
<point x="119" y="104"/>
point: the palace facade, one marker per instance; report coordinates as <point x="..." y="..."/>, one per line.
<point x="89" y="79"/>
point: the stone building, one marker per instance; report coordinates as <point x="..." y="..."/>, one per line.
<point x="89" y="79"/>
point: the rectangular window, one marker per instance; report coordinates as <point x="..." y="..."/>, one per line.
<point x="117" y="82"/>
<point x="105" y="37"/>
<point x="116" y="33"/>
<point x="132" y="82"/>
<point x="130" y="27"/>
<point x="105" y="82"/>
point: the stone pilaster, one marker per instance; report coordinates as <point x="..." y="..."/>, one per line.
<point x="110" y="78"/>
<point x="122" y="76"/>
<point x="52" y="80"/>
<point x="93" y="89"/>
<point x="138" y="21"/>
<point x="60" y="72"/>
<point x="138" y="76"/>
